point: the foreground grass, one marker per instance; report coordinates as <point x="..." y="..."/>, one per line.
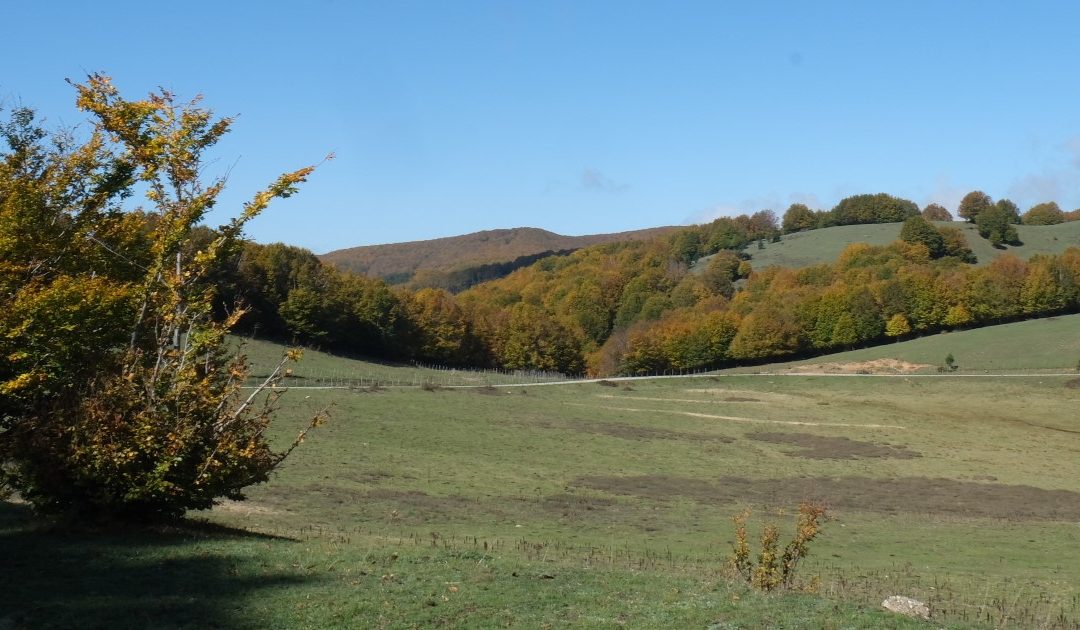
<point x="200" y="576"/>
<point x="962" y="492"/>
<point x="606" y="505"/>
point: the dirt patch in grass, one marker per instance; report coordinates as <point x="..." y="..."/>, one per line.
<point x="607" y="383"/>
<point x="877" y="366"/>
<point x="741" y="399"/>
<point x="637" y="432"/>
<point x="629" y="431"/>
<point x="823" y="447"/>
<point x="574" y="506"/>
<point x="415" y="507"/>
<point x="369" y="476"/>
<point x="487" y="390"/>
<point x="244" y="508"/>
<point x="1073" y="383"/>
<point x="421" y="500"/>
<point x="922" y="495"/>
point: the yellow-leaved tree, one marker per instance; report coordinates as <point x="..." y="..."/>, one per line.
<point x="120" y="397"/>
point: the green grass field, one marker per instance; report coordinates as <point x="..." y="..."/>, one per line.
<point x="1051" y="344"/>
<point x="823" y="246"/>
<point x="609" y="505"/>
<point x="320" y="369"/>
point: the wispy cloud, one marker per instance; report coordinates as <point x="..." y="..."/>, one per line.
<point x="1056" y="182"/>
<point x="946" y="193"/>
<point x="594" y="180"/>
<point x="777" y="203"/>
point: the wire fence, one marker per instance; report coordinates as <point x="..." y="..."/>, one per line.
<point x="424" y="375"/>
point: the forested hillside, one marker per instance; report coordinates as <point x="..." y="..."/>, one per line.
<point x="691" y="299"/>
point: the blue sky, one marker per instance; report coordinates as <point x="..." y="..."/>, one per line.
<point x="583" y="117"/>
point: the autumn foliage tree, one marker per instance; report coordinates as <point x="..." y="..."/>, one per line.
<point x="797" y="218"/>
<point x="1047" y="213"/>
<point x="973" y="204"/>
<point x="936" y="212"/>
<point x="121" y="397"/>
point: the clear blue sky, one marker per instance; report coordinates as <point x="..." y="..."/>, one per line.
<point x="584" y="116"/>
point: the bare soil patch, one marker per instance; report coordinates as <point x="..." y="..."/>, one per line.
<point x="244" y="508"/>
<point x="415" y="507"/>
<point x="418" y="499"/>
<point x="1073" y="383"/>
<point x="636" y="432"/>
<point x="823" y="447"/>
<point x="877" y="366"/>
<point x="370" y="476"/>
<point x="487" y="390"/>
<point x="574" y="506"/>
<point x="741" y="399"/>
<point x="630" y="431"/>
<point x="922" y="495"/>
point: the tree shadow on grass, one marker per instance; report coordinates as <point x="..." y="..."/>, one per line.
<point x="194" y="575"/>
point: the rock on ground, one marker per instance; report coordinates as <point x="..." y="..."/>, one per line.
<point x="906" y="606"/>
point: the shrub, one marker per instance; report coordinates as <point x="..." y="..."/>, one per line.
<point x="775" y="569"/>
<point x="155" y="424"/>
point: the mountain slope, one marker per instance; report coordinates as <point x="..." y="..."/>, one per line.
<point x="397" y="262"/>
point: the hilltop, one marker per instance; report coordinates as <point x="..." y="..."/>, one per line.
<point x="400" y="262"/>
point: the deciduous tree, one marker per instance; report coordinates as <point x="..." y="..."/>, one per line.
<point x="1047" y="213"/>
<point x="973" y="204"/>
<point x="936" y="212"/>
<point x="799" y="217"/>
<point x="917" y="230"/>
<point x="159" y="425"/>
<point x="996" y="225"/>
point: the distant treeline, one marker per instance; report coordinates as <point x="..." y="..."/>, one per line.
<point x="638" y="307"/>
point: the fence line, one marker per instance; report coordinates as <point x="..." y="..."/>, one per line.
<point x="426" y="375"/>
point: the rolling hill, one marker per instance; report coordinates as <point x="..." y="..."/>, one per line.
<point x="821" y="246"/>
<point x="399" y="262"/>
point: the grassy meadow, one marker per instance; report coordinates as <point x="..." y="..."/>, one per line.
<point x="814" y="247"/>
<point x="1051" y="344"/>
<point x="608" y="504"/>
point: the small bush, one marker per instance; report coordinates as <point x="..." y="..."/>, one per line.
<point x="774" y="569"/>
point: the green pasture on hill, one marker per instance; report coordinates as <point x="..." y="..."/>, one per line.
<point x="321" y="369"/>
<point x="814" y="247"/>
<point x="609" y="504"/>
<point x="1051" y="344"/>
